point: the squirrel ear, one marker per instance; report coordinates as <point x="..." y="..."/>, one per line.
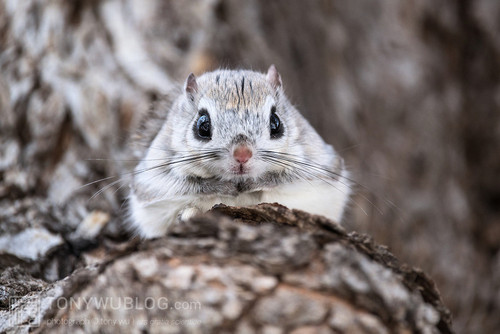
<point x="191" y="86"/>
<point x="273" y="77"/>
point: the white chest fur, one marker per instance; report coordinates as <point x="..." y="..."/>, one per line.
<point x="153" y="218"/>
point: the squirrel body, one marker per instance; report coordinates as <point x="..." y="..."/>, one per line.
<point x="233" y="137"/>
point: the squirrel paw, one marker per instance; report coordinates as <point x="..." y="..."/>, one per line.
<point x="188" y="213"/>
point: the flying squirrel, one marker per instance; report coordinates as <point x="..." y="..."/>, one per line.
<point x="232" y="137"/>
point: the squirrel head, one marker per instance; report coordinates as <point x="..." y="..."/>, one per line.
<point x="234" y="118"/>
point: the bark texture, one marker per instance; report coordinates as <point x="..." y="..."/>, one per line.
<point x="268" y="269"/>
<point x="408" y="92"/>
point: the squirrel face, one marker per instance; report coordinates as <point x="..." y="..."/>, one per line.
<point x="233" y="117"/>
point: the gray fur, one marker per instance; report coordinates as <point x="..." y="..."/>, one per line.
<point x="179" y="164"/>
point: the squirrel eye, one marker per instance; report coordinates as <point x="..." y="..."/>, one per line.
<point x="203" y="128"/>
<point x="275" y="124"/>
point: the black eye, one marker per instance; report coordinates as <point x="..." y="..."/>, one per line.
<point x="275" y="124"/>
<point x="203" y="127"/>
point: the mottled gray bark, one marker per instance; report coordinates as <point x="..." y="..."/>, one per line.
<point x="267" y="269"/>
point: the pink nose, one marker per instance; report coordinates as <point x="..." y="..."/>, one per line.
<point x="242" y="154"/>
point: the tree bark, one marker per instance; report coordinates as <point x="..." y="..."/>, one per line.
<point x="239" y="270"/>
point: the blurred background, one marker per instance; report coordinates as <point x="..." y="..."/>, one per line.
<point x="407" y="91"/>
